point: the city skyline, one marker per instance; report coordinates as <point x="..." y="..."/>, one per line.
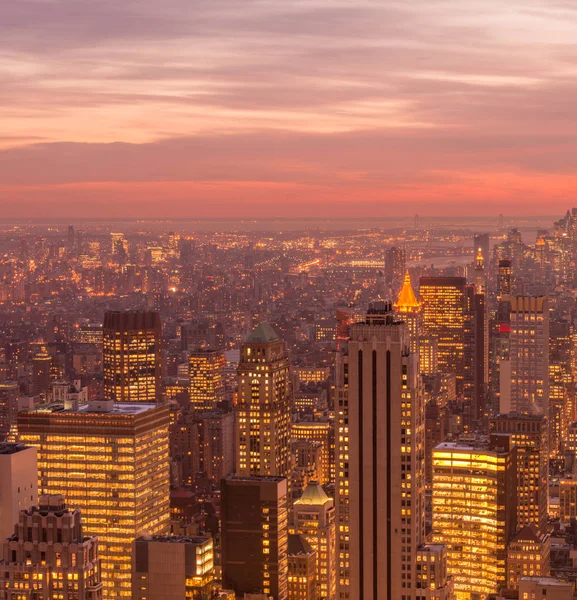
<point x="313" y="108"/>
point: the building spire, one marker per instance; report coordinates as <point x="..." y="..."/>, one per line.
<point x="407" y="301"/>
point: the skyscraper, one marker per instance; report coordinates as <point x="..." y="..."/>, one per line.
<point x="504" y="279"/>
<point x="9" y="392"/>
<point x="313" y="517"/>
<point x="254" y="535"/>
<point x="529" y="435"/>
<point x="111" y="460"/>
<point x="41" y="364"/>
<point x="474" y="511"/>
<point x="380" y="470"/>
<point x="48" y="555"/>
<point x="448" y="316"/>
<point x="206" y="371"/>
<point x="131" y="356"/>
<point x="18" y="484"/>
<point x="263" y="410"/>
<point x="481" y="339"/>
<point x="529" y="355"/>
<point x="482" y="241"/>
<point x="409" y="309"/>
<point x="302" y="584"/>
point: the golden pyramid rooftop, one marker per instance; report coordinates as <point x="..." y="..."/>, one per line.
<point x="407" y="301"/>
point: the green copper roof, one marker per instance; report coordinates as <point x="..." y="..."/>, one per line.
<point x="314" y="494"/>
<point x="263" y="334"/>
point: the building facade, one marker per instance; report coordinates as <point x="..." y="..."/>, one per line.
<point x="254" y="535"/>
<point x="474" y="511"/>
<point x="110" y="459"/>
<point x="173" y="568"/>
<point x="131" y="356"/>
<point x="380" y="460"/>
<point x="263" y="411"/>
<point x="48" y="556"/>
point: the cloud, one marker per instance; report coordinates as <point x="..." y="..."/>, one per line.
<point x="326" y="93"/>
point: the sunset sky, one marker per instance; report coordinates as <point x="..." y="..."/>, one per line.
<point x="329" y="108"/>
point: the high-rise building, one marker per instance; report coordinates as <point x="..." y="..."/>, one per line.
<point x="481" y="340"/>
<point x="313" y="517"/>
<point x="111" y="460"/>
<point x="18" y="484"/>
<point x="41" y="364"/>
<point x="504" y="279"/>
<point x="433" y="581"/>
<point x="203" y="442"/>
<point x="528" y="554"/>
<point x="395" y="265"/>
<point x="254" y="535"/>
<point x="48" y="555"/>
<point x="173" y="568"/>
<point x="263" y="409"/>
<point x="131" y="356"/>
<point x="302" y="583"/>
<point x="409" y="309"/>
<point x="529" y="435"/>
<point x="9" y="392"/>
<point x="474" y="511"/>
<point x="482" y="242"/>
<point x="529" y="355"/>
<point x="323" y="432"/>
<point x="380" y="461"/>
<point x="448" y="316"/>
<point x="206" y="371"/>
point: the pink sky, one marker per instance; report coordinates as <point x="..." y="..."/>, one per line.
<point x="204" y="108"/>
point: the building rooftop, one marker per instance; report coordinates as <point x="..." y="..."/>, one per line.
<point x="298" y="545"/>
<point x="95" y="406"/>
<point x="263" y="334"/>
<point x="407" y="299"/>
<point x="174" y="539"/>
<point x="12" y="448"/>
<point x="313" y="495"/>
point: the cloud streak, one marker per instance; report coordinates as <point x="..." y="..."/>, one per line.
<point x="316" y="99"/>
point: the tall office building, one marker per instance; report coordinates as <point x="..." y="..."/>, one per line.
<point x="302" y="584"/>
<point x="433" y="580"/>
<point x="409" y="309"/>
<point x="18" y="484"/>
<point x="206" y="371"/>
<point x="474" y="511"/>
<point x="254" y="535"/>
<point x="41" y="364"/>
<point x="263" y="410"/>
<point x="481" y="340"/>
<point x="504" y="279"/>
<point x="529" y="434"/>
<point x="448" y="317"/>
<point x="482" y="242"/>
<point x="380" y="461"/>
<point x="173" y="568"/>
<point x="529" y="355"/>
<point x="313" y="517"/>
<point x="131" y="356"/>
<point x="111" y="460"/>
<point x="9" y="393"/>
<point x="322" y="432"/>
<point x="48" y="555"/>
<point x="395" y="265"/>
